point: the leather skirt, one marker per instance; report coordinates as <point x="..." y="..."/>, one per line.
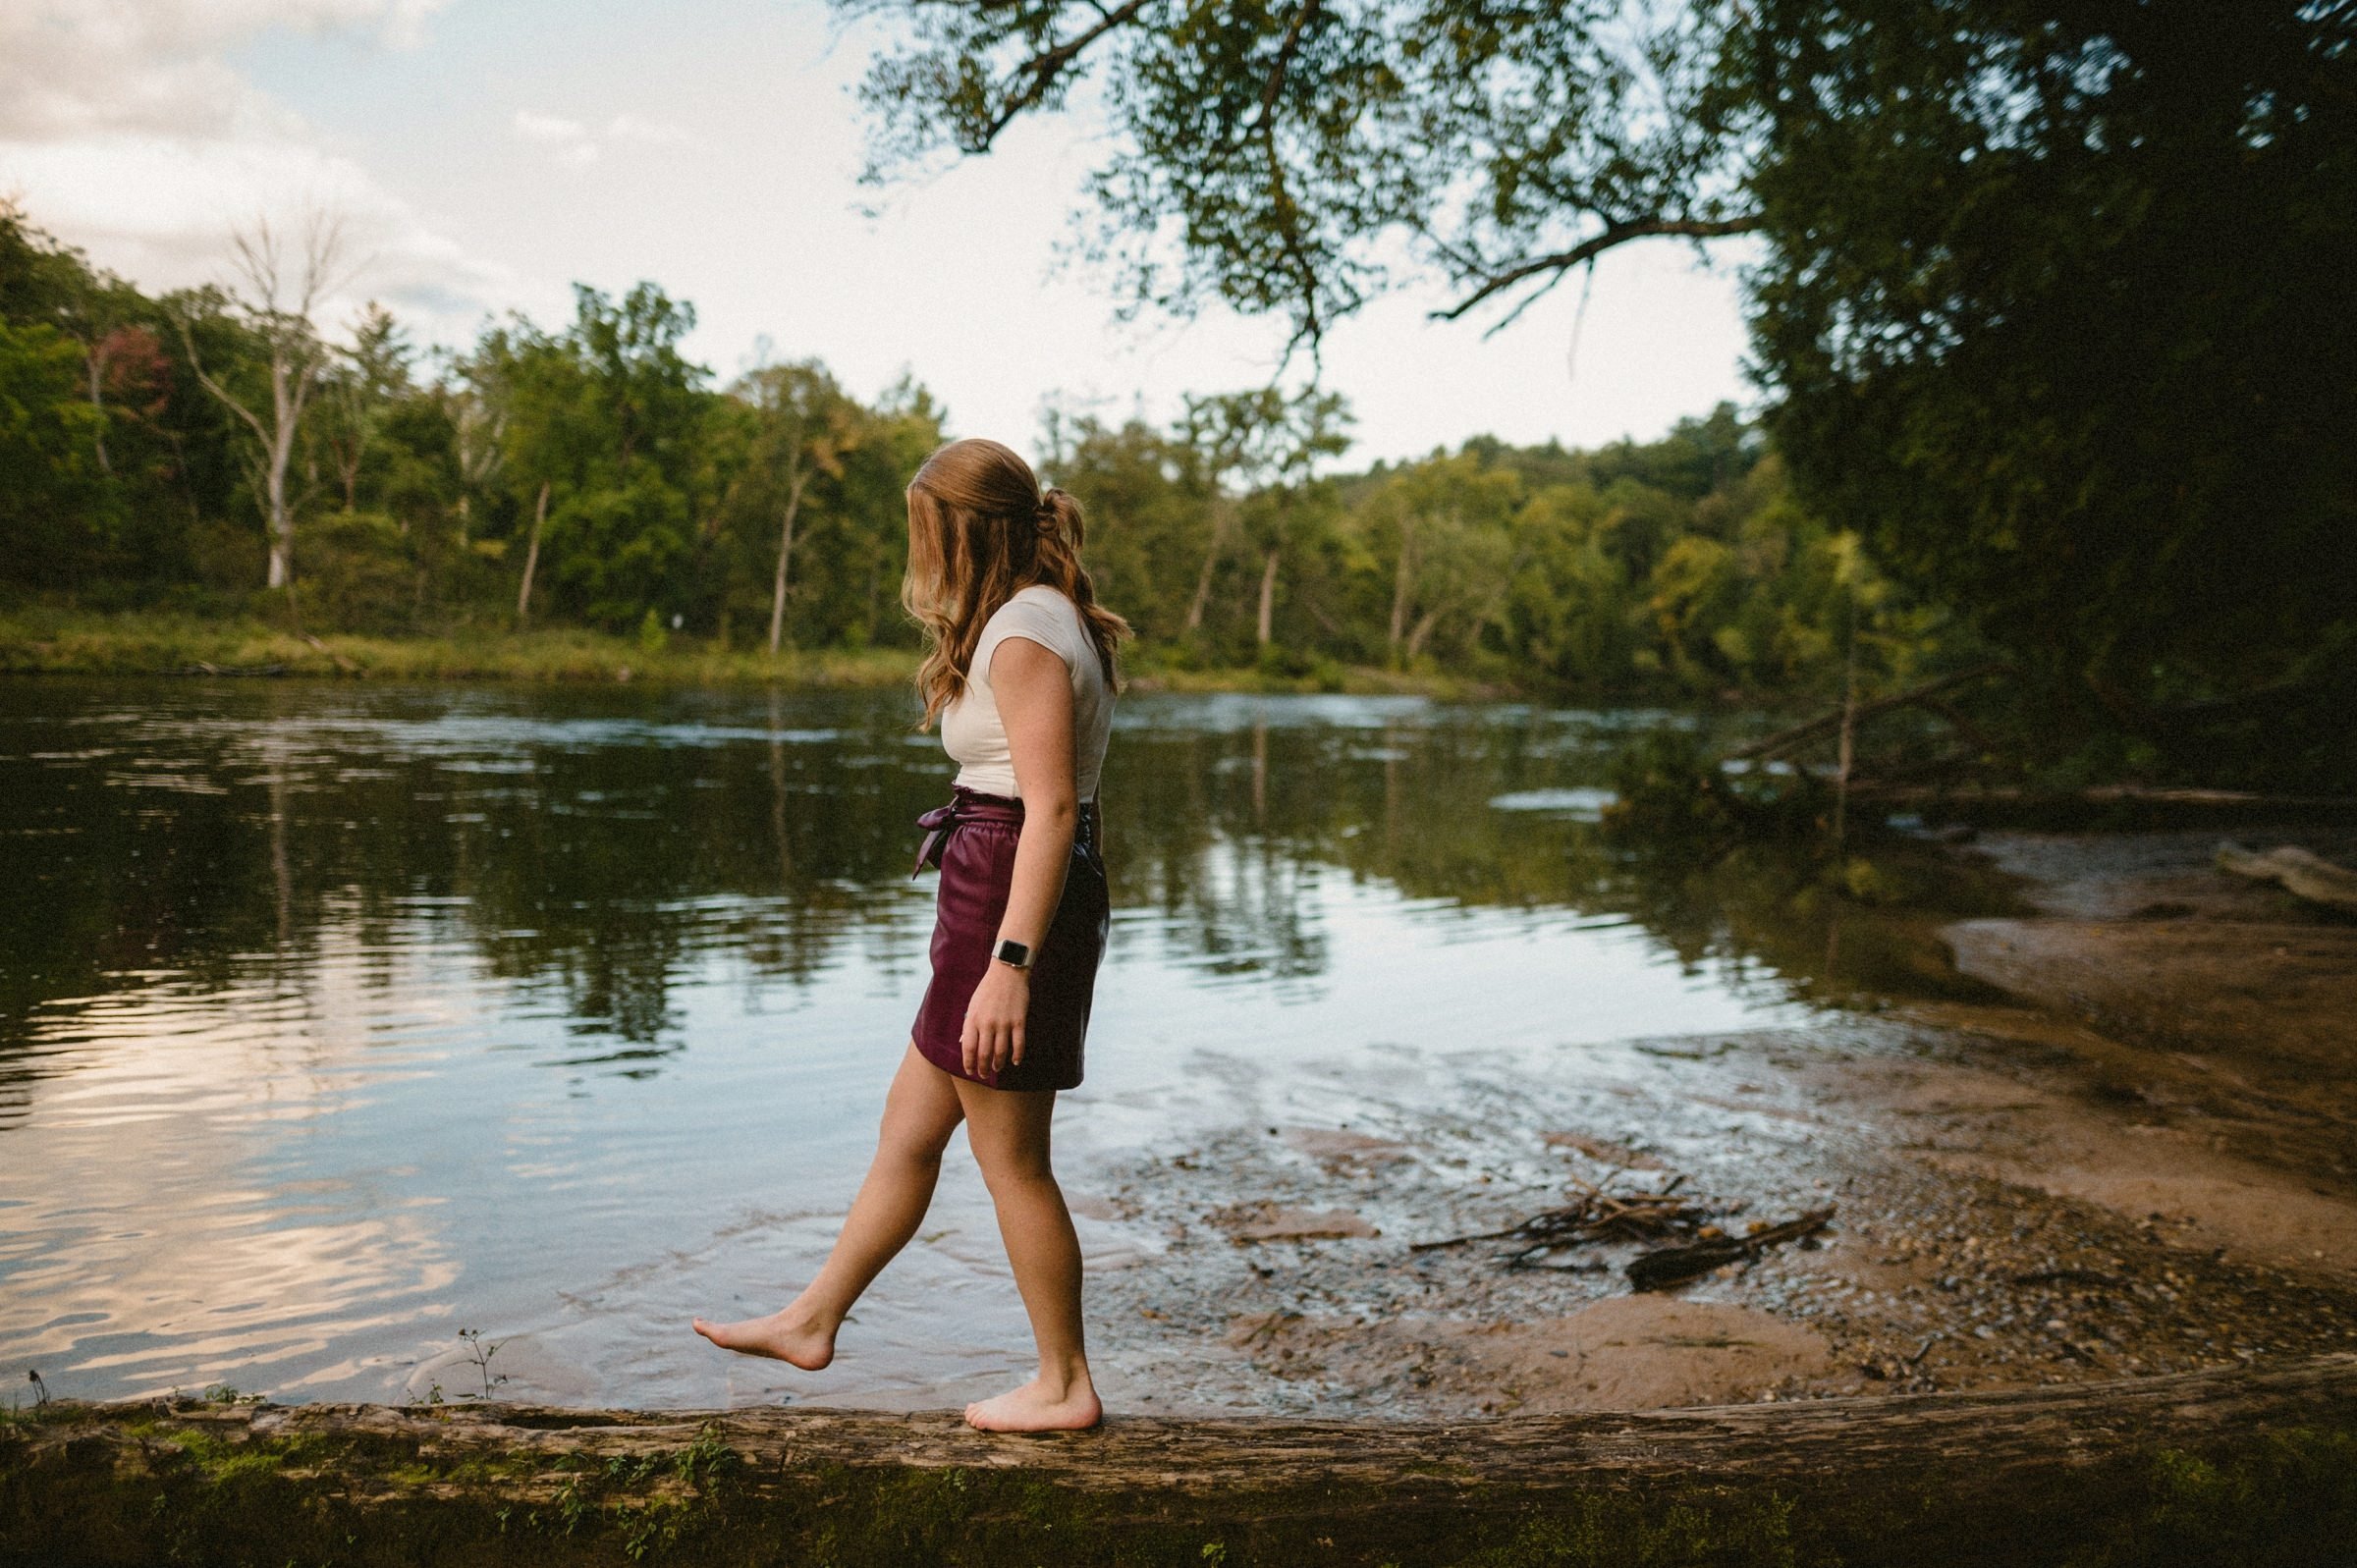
<point x="973" y="840"/>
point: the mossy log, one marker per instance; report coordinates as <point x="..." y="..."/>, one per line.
<point x="2243" y="1467"/>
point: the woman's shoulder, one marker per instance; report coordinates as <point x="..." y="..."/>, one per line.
<point x="1042" y="614"/>
<point x="1031" y="608"/>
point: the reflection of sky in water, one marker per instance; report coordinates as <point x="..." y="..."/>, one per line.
<point x="564" y="1015"/>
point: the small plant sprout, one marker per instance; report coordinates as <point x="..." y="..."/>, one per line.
<point x="482" y="1354"/>
<point x="40" y="1390"/>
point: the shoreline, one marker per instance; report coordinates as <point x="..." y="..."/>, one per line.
<point x="2130" y="1156"/>
<point x="145" y="645"/>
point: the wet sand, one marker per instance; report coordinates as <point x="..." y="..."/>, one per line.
<point x="2134" y="1159"/>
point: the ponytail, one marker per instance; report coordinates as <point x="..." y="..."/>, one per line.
<point x="981" y="530"/>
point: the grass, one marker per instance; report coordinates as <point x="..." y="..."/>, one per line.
<point x="49" y="640"/>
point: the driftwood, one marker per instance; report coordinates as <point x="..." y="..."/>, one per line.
<point x="1596" y="1214"/>
<point x="1828" y="725"/>
<point x="2108" y="1472"/>
<point x="200" y="667"/>
<point x="1886" y="792"/>
<point x="1654" y="1271"/>
<point x="342" y="663"/>
<point x="2302" y="874"/>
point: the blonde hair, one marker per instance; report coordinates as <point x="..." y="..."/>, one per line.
<point x="980" y="531"/>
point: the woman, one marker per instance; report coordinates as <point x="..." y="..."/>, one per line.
<point x="1019" y="669"/>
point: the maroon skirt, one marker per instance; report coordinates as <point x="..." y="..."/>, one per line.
<point x="972" y="840"/>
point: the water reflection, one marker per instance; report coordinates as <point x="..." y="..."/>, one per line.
<point x="334" y="1019"/>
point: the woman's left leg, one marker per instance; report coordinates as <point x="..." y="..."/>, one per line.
<point x="921" y="1113"/>
<point x="1008" y="1130"/>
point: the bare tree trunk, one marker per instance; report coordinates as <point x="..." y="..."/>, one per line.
<point x="1211" y="564"/>
<point x="1268" y="596"/>
<point x="281" y="450"/>
<point x="279" y="307"/>
<point x="777" y="604"/>
<point x="97" y="360"/>
<point x="532" y="557"/>
<point x="1402" y="579"/>
<point x="1423" y="629"/>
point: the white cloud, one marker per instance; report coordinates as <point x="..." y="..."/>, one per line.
<point x="72" y="68"/>
<point x="568" y="140"/>
<point x="651" y="132"/>
<point x="549" y="127"/>
<point x="572" y="143"/>
<point x="125" y="131"/>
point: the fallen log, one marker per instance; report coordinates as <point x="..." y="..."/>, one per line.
<point x="1830" y="723"/>
<point x="1967" y="796"/>
<point x="2237" y="1466"/>
<point x="2302" y="874"/>
<point x="1668" y="1265"/>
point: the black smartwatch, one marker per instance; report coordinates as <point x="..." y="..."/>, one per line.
<point x="1013" y="952"/>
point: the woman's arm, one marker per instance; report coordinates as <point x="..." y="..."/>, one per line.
<point x="1034" y="693"/>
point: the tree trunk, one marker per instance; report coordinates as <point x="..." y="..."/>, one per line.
<point x="97" y="360"/>
<point x="2129" y="1470"/>
<point x="531" y="558"/>
<point x="1268" y="596"/>
<point x="1404" y="577"/>
<point x="1211" y="564"/>
<point x="1423" y="630"/>
<point x="777" y="603"/>
<point x="286" y="395"/>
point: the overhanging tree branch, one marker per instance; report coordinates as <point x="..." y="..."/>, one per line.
<point x="1287" y="212"/>
<point x="1042" y="71"/>
<point x="1555" y="266"/>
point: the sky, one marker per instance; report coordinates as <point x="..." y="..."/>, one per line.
<point x="489" y="153"/>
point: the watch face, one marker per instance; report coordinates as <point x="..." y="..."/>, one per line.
<point x="1015" y="953"/>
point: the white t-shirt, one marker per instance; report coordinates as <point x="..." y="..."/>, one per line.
<point x="970" y="727"/>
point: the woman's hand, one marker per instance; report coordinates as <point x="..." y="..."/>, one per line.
<point x="993" y="1038"/>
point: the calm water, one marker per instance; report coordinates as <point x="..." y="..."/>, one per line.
<point x="335" y="1020"/>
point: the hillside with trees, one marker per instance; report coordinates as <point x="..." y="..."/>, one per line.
<point x="222" y="453"/>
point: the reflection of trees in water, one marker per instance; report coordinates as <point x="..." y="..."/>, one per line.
<point x="602" y="866"/>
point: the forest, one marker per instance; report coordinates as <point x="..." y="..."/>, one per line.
<point x="588" y="474"/>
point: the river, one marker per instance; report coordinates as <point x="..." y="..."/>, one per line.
<point x="336" y="1019"/>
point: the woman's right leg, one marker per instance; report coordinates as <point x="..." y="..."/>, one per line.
<point x="920" y="1114"/>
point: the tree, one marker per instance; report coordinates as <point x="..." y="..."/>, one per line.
<point x="1446" y="524"/>
<point x="1150" y="512"/>
<point x="360" y="385"/>
<point x="804" y="426"/>
<point x="2048" y="299"/>
<point x="2058" y="306"/>
<point x="47" y="450"/>
<point x="1287" y="144"/>
<point x="1256" y="439"/>
<point x="274" y="290"/>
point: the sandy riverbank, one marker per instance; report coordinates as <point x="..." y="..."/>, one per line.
<point x="2134" y="1157"/>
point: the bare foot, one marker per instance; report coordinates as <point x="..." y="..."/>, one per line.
<point x="791" y="1335"/>
<point x="1035" y="1407"/>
